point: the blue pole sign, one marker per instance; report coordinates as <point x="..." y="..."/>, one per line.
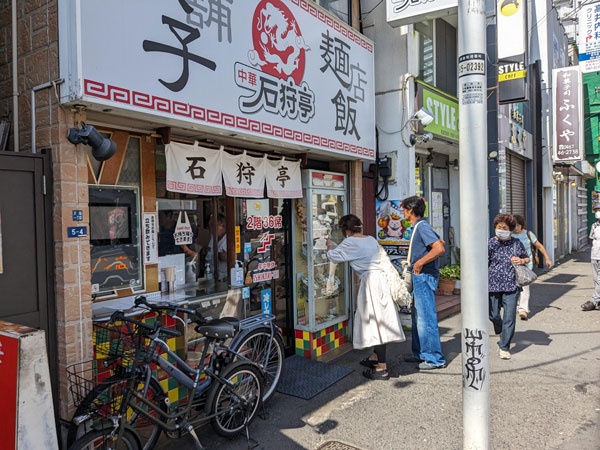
<point x="75" y="232"/>
<point x="245" y="292"/>
<point x="265" y="296"/>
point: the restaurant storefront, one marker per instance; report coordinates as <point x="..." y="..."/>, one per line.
<point x="231" y="141"/>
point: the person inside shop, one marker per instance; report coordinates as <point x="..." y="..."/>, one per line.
<point x="376" y="321"/>
<point x="221" y="247"/>
<point x="166" y="241"/>
<point x="529" y="241"/>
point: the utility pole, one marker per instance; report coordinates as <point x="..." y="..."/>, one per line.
<point x="472" y="89"/>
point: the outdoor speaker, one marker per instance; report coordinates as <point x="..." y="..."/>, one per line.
<point x="102" y="148"/>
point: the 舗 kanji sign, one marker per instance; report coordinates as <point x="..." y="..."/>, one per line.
<point x="279" y="70"/>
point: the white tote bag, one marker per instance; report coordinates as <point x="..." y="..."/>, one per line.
<point x="183" y="230"/>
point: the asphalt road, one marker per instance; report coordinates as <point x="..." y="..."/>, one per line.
<point x="546" y="397"/>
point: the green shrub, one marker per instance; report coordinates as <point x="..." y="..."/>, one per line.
<point x="450" y="272"/>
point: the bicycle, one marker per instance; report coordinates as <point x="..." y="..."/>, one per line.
<point x="229" y="395"/>
<point x="259" y="341"/>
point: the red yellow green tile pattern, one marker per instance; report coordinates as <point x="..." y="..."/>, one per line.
<point x="312" y="345"/>
<point x="171" y="387"/>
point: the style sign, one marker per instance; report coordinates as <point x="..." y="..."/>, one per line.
<point x="568" y="138"/>
<point x="444" y="109"/>
<point x="404" y="12"/>
<point x="281" y="71"/>
<point x="150" y="233"/>
<point x="588" y="38"/>
<point x="192" y="169"/>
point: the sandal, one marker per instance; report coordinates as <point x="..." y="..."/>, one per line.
<point x="377" y="374"/>
<point x="370" y="363"/>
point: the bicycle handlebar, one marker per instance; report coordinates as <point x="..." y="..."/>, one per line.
<point x="120" y="316"/>
<point x="162" y="306"/>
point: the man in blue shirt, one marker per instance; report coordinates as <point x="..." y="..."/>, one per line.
<point x="426" y="248"/>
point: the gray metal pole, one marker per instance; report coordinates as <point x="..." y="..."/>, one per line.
<point x="473" y="223"/>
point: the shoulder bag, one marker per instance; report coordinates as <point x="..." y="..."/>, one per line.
<point x="397" y="287"/>
<point x="406" y="273"/>
<point x="524" y="276"/>
<point x="534" y="251"/>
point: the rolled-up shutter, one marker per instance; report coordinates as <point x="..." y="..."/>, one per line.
<point x="515" y="185"/>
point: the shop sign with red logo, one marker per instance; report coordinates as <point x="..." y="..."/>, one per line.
<point x="9" y="374"/>
<point x="265" y="242"/>
<point x="265" y="276"/>
<point x="284" y="71"/>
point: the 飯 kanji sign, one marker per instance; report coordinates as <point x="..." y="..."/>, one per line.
<point x="279" y="70"/>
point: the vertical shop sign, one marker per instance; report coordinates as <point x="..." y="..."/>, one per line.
<point x="568" y="142"/>
<point x="9" y="375"/>
<point x="284" y="179"/>
<point x="588" y="39"/>
<point x="437" y="213"/>
<point x="265" y="297"/>
<point x="192" y="169"/>
<point x="512" y="50"/>
<point x="150" y="238"/>
<point x="238" y="241"/>
<point x="393" y="232"/>
<point x="244" y="175"/>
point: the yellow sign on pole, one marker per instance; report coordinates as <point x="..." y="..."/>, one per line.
<point x="238" y="245"/>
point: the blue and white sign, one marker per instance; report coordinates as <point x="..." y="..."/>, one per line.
<point x="588" y="40"/>
<point x="77" y="215"/>
<point x="245" y="293"/>
<point x="248" y="247"/>
<point x="265" y="296"/>
<point x="75" y="232"/>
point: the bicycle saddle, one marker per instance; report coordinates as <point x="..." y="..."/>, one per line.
<point x="219" y="328"/>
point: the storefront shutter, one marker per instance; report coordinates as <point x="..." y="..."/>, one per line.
<point x="515" y="185"/>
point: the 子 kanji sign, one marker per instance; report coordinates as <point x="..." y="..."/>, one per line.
<point x="568" y="142"/>
<point x="282" y="71"/>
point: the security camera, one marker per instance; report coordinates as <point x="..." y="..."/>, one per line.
<point x="102" y="148"/>
<point x="427" y="137"/>
<point x="424" y="116"/>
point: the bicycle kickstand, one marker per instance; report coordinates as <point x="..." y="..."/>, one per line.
<point x="252" y="444"/>
<point x="190" y="429"/>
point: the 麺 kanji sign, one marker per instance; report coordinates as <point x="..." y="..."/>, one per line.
<point x="279" y="70"/>
<point x="568" y="142"/>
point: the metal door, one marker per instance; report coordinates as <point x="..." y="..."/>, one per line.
<point x="25" y="243"/>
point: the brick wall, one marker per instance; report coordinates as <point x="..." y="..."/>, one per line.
<point x="37" y="64"/>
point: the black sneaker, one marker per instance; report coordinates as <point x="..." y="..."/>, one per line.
<point x="377" y="374"/>
<point x="588" y="306"/>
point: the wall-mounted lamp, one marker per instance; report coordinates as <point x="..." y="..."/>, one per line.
<point x="455" y="164"/>
<point x="424" y="116"/>
<point x="420" y="138"/>
<point x="102" y="148"/>
<point x="493" y="155"/>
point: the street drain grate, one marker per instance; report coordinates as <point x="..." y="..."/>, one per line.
<point x="336" y="445"/>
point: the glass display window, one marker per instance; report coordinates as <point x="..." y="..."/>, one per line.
<point x="115" y="250"/>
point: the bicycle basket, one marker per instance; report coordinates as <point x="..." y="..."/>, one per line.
<point x="117" y="343"/>
<point x="100" y="393"/>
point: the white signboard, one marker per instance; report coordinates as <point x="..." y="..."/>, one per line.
<point x="150" y="238"/>
<point x="588" y="40"/>
<point x="278" y="70"/>
<point x="568" y="138"/>
<point x="244" y="175"/>
<point x="284" y="179"/>
<point x="404" y="12"/>
<point x="510" y="19"/>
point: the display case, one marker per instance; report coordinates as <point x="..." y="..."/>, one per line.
<point x="321" y="287"/>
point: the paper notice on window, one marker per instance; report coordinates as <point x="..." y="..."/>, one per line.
<point x="150" y="238"/>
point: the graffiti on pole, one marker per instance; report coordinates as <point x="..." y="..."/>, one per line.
<point x="474" y="373"/>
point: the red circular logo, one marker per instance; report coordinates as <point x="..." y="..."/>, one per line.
<point x="279" y="48"/>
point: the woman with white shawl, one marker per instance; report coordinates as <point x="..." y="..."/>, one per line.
<point x="376" y="321"/>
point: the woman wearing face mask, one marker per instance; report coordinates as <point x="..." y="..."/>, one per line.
<point x="503" y="252"/>
<point x="594" y="303"/>
<point x="376" y="321"/>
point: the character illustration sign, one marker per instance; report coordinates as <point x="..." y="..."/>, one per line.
<point x="280" y="71"/>
<point x="393" y="232"/>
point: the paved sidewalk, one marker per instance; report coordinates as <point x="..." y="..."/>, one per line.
<point x="546" y="397"/>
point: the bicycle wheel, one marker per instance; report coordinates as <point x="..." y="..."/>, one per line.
<point x="101" y="440"/>
<point x="254" y="347"/>
<point x="97" y="399"/>
<point x="244" y="382"/>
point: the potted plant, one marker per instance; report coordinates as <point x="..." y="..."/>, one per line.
<point x="448" y="276"/>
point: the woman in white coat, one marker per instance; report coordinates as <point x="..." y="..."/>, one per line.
<point x="376" y="320"/>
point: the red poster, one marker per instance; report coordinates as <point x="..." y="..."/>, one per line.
<point x="9" y="368"/>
